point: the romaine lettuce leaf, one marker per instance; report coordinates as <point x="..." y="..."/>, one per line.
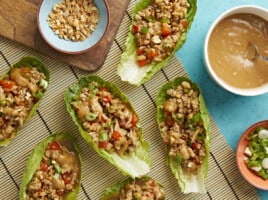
<point x="187" y="181"/>
<point x="27" y="62"/>
<point x="135" y="164"/>
<point x="34" y="160"/>
<point x="128" y="70"/>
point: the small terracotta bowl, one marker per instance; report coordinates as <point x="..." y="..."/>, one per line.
<point x="68" y="46"/>
<point x="250" y="177"/>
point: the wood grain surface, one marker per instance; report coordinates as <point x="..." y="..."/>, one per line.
<point x="18" y="22"/>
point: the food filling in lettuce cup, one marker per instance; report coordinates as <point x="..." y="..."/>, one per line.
<point x="109" y="123"/>
<point x="184" y="125"/>
<point x="158" y="30"/>
<point x="21" y="90"/>
<point x="53" y="170"/>
<point x="139" y="188"/>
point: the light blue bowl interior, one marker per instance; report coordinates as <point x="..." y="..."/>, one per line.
<point x="69" y="46"/>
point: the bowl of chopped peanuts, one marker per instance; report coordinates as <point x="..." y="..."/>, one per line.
<point x="73" y="26"/>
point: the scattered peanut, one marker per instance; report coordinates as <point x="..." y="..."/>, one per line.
<point x="74" y="19"/>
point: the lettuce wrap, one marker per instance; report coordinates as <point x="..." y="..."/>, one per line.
<point x="63" y="142"/>
<point x="109" y="124"/>
<point x="143" y="188"/>
<point x="128" y="68"/>
<point x="186" y="131"/>
<point x="21" y="88"/>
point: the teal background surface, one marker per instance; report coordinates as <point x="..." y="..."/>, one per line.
<point x="232" y="113"/>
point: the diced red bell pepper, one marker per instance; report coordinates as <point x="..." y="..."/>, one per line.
<point x="170" y="121"/>
<point x="151" y="54"/>
<point x="116" y="135"/>
<point x="20" y="103"/>
<point x="134" y="120"/>
<point x="24" y="70"/>
<point x="60" y="193"/>
<point x="103" y="144"/>
<point x="140" y="51"/>
<point x="142" y="63"/>
<point x="184" y="23"/>
<point x="7" y="84"/>
<point x="103" y="89"/>
<point x="168" y="113"/>
<point x="122" y="124"/>
<point x="166" y="30"/>
<point x="44" y="166"/>
<point x="101" y="120"/>
<point x="66" y="178"/>
<point x="135" y="28"/>
<point x="55" y="145"/>
<point x="196" y="145"/>
<point x="106" y="99"/>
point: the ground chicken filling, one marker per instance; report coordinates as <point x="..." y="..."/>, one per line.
<point x="158" y="28"/>
<point x="57" y="176"/>
<point x="111" y="123"/>
<point x="182" y="128"/>
<point x="19" y="91"/>
<point x="142" y="189"/>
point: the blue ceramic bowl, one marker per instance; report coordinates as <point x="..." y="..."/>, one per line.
<point x="66" y="46"/>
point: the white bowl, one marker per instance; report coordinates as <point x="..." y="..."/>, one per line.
<point x="250" y="9"/>
<point x="68" y="46"/>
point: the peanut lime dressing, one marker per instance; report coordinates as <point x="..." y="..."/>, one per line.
<point x="228" y="46"/>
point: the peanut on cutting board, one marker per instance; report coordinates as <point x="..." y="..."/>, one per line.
<point x="74" y="19"/>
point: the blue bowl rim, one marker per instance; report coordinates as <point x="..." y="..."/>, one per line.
<point x="74" y="52"/>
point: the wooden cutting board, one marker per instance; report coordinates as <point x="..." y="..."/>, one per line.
<point x="18" y="22"/>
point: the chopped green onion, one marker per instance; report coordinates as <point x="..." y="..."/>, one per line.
<point x="107" y="124"/>
<point x="201" y="136"/>
<point x="150" y="18"/>
<point x="136" y="196"/>
<point x="164" y="20"/>
<point x="186" y="90"/>
<point x="257" y="146"/>
<point x="91" y="116"/>
<point x="192" y="127"/>
<point x="3" y="102"/>
<point x="264" y="142"/>
<point x="56" y="176"/>
<point x="178" y="158"/>
<point x="196" y="118"/>
<point x="111" y="109"/>
<point x="103" y="137"/>
<point x="176" y="118"/>
<point x="144" y="29"/>
<point x="38" y="94"/>
<point x="57" y="168"/>
<point x="91" y="87"/>
<point x="43" y="84"/>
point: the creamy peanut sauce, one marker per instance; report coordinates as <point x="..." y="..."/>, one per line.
<point x="227" y="49"/>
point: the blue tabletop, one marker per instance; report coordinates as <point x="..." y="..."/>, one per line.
<point x="232" y="113"/>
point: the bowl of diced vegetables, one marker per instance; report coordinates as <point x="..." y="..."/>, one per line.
<point x="252" y="155"/>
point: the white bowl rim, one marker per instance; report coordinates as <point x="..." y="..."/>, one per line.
<point x="69" y="51"/>
<point x="239" y="91"/>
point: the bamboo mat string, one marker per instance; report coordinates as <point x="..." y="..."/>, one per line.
<point x="223" y="181"/>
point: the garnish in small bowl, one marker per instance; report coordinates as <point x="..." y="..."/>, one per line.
<point x="252" y="155"/>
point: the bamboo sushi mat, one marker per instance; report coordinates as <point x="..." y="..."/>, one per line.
<point x="223" y="182"/>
